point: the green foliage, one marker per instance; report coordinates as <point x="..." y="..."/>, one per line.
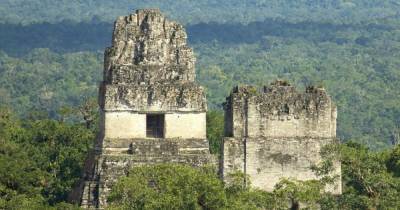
<point x="393" y="162"/>
<point x="362" y="79"/>
<point x="356" y="62"/>
<point x="30" y="11"/>
<point x="215" y="130"/>
<point x="16" y="188"/>
<point x="40" y="161"/>
<point x="298" y="192"/>
<point x="47" y="81"/>
<point x="351" y="47"/>
<point x="369" y="178"/>
<point x="168" y="187"/>
<point x="64" y="37"/>
<point x="241" y="196"/>
<point x="368" y="183"/>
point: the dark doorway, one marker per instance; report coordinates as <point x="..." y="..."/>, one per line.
<point x="155" y="126"/>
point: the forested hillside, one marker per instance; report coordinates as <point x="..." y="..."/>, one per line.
<point x="186" y="11"/>
<point x="357" y="63"/>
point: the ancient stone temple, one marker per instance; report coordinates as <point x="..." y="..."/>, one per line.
<point x="277" y="132"/>
<point x="152" y="110"/>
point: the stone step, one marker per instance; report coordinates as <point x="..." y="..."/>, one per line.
<point x="89" y="196"/>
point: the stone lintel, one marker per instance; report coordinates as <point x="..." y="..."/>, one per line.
<point x="284" y="138"/>
<point x="182" y="143"/>
<point x="150" y="111"/>
<point x="185" y="97"/>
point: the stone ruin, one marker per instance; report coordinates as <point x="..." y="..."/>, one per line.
<point x="153" y="111"/>
<point x="277" y="132"/>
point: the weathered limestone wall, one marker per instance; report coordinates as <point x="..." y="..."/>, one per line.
<point x="185" y="125"/>
<point x="125" y="124"/>
<point x="149" y="69"/>
<point x="267" y="160"/>
<point x="182" y="97"/>
<point x="271" y="133"/>
<point x="280" y="111"/>
<point x="277" y="133"/>
<point x="148" y="48"/>
<point x="120" y="125"/>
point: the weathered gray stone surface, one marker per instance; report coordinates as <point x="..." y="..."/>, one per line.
<point x="149" y="69"/>
<point x="159" y="96"/>
<point x="277" y="132"/>
<point x="149" y="64"/>
<point x="148" y="48"/>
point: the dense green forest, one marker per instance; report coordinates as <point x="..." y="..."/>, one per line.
<point x="357" y="63"/>
<point x="42" y="159"/>
<point x="51" y="55"/>
<point x="186" y="11"/>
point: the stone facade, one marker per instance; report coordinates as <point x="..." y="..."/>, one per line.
<point x="277" y="133"/>
<point x="152" y="110"/>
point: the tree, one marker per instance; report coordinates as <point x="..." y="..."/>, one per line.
<point x="368" y="183"/>
<point x="89" y="111"/>
<point x="393" y="162"/>
<point x="215" y="130"/>
<point x="40" y="160"/>
<point x="169" y="187"/>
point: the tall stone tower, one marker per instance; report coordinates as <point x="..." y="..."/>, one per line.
<point x="277" y="133"/>
<point x="152" y="110"/>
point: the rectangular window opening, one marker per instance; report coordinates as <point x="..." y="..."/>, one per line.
<point x="155" y="126"/>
